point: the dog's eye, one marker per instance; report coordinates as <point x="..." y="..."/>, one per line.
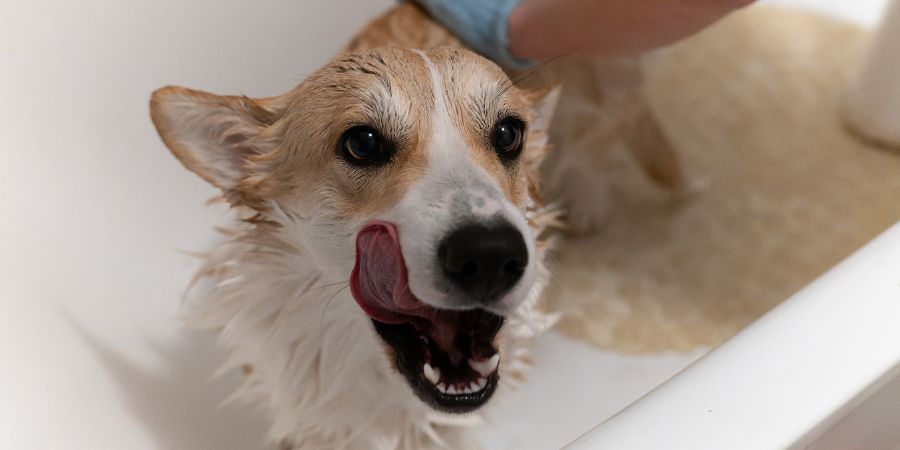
<point x="363" y="145"/>
<point x="508" y="137"/>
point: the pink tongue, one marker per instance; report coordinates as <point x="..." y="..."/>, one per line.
<point x="380" y="286"/>
<point x="378" y="281"/>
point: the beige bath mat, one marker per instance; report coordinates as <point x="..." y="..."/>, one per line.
<point x="753" y="106"/>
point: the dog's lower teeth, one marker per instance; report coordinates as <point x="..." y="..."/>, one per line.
<point x="433" y="374"/>
<point x="486" y="367"/>
<point x="452" y="389"/>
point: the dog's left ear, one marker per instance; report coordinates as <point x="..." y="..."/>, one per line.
<point x="220" y="138"/>
<point x="543" y="104"/>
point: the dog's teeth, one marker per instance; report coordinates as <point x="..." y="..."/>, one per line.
<point x="487" y="366"/>
<point x="472" y="387"/>
<point x="433" y="374"/>
<point x="476" y="386"/>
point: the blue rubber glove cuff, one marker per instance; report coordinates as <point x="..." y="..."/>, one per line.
<point x="481" y="24"/>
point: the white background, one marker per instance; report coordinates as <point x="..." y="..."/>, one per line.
<point x="96" y="215"/>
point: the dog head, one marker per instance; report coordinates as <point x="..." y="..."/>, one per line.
<point x="405" y="172"/>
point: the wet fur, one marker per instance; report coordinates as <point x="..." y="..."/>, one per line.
<point x="276" y="288"/>
<point x="602" y="106"/>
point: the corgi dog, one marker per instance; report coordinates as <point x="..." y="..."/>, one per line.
<point x="380" y="283"/>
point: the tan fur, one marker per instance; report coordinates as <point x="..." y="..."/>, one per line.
<point x="343" y="91"/>
<point x="176" y="102"/>
<point x="601" y="102"/>
<point x="405" y="25"/>
<point x="602" y="105"/>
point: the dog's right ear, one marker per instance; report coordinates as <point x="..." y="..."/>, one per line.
<point x="216" y="137"/>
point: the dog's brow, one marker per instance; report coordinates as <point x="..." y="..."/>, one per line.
<point x="372" y="65"/>
<point x="386" y="116"/>
<point x="484" y="105"/>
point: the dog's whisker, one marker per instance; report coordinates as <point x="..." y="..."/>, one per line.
<point x="327" y="305"/>
<point x="519" y="77"/>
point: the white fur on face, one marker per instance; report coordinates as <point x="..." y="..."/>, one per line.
<point x="454" y="191"/>
<point x="279" y="298"/>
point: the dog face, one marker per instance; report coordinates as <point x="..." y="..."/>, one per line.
<point x="403" y="171"/>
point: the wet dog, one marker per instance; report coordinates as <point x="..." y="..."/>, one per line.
<point x="380" y="285"/>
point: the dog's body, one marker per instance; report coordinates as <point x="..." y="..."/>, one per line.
<point x="384" y="167"/>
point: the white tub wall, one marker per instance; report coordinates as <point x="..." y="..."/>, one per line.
<point x="788" y="377"/>
<point x="96" y="213"/>
<point x="873" y="425"/>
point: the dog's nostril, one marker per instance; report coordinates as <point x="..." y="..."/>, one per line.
<point x="469" y="269"/>
<point x="484" y="262"/>
<point x="513" y="267"/>
<point x="460" y="268"/>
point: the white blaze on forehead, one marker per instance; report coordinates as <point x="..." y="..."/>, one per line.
<point x="455" y="191"/>
<point x="446" y="140"/>
<point x="449" y="158"/>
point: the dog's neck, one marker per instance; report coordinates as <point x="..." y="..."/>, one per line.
<point x="309" y="353"/>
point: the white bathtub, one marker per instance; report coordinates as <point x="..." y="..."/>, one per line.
<point x="96" y="213"/>
<point x="821" y="370"/>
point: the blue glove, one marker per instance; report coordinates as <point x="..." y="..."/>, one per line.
<point x="482" y="24"/>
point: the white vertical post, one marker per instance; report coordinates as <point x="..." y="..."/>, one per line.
<point x="873" y="106"/>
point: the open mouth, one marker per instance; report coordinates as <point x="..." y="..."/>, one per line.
<point x="448" y="357"/>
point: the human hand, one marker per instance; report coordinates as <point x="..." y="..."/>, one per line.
<point x="518" y="34"/>
<point x="544" y="29"/>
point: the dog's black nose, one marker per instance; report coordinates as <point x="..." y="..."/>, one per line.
<point x="484" y="261"/>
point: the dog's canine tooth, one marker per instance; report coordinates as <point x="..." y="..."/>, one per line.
<point x="486" y="367"/>
<point x="433" y="374"/>
<point x="480" y="383"/>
